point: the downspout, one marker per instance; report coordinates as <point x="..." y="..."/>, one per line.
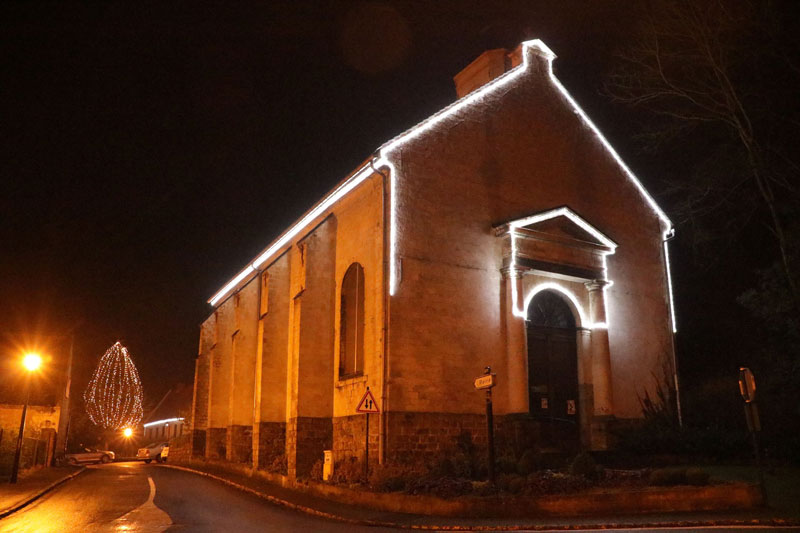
<point x="384" y="370"/>
<point x="668" y="236"/>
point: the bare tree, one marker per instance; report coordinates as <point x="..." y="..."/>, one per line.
<point x="719" y="79"/>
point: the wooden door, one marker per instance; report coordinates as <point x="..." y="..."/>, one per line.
<point x="553" y="370"/>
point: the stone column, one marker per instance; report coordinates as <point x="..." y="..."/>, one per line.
<point x="601" y="355"/>
<point x="516" y="355"/>
<point x="601" y="365"/>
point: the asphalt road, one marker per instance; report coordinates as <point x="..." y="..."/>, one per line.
<point x="134" y="497"/>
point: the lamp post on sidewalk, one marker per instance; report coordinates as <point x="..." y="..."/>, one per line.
<point x="31" y="362"/>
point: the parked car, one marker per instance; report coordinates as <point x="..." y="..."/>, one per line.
<point x="158" y="451"/>
<point x="89" y="455"/>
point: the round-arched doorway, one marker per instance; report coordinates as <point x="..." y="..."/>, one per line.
<point x="553" y="369"/>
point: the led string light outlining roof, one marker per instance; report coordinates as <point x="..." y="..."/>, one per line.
<point x="385" y="159"/>
<point x="667" y="236"/>
<point x="164" y="421"/>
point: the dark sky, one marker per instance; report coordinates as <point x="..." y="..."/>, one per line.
<point x="150" y="149"/>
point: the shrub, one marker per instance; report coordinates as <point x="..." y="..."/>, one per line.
<point x="696" y="476"/>
<point x="516" y="484"/>
<point x="279" y="465"/>
<point x="316" y="471"/>
<point x="348" y="471"/>
<point x="668" y="476"/>
<point x="507" y="464"/>
<point x="584" y="466"/>
<point x="392" y="477"/>
<point x="528" y="463"/>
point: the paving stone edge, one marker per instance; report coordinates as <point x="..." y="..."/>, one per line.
<point x="509" y="527"/>
<point x="24" y="503"/>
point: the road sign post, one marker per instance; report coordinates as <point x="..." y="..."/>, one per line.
<point x="486" y="382"/>
<point x="367" y="405"/>
<point x="747" y="388"/>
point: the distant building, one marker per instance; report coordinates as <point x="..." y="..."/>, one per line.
<point x="503" y="231"/>
<point x="39" y="443"/>
<point x="168" y="419"/>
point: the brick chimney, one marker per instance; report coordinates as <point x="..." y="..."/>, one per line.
<point x="488" y="66"/>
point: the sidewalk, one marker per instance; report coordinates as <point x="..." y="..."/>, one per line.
<point x="317" y="506"/>
<point x="31" y="485"/>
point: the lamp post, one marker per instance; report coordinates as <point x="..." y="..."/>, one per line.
<point x="31" y="362"/>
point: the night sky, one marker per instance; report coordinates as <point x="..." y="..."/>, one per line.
<point x="150" y="149"/>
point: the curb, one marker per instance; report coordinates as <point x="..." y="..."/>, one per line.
<point x="16" y="507"/>
<point x="773" y="522"/>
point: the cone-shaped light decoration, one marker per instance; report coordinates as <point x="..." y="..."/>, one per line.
<point x="114" y="395"/>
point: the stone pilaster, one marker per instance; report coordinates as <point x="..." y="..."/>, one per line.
<point x="516" y="355"/>
<point x="601" y="365"/>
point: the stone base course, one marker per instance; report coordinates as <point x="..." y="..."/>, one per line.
<point x="215" y="443"/>
<point x="271" y="443"/>
<point x="239" y="444"/>
<point x="349" y="437"/>
<point x="306" y="439"/>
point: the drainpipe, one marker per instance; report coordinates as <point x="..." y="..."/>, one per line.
<point x="384" y="370"/>
<point x="668" y="236"/>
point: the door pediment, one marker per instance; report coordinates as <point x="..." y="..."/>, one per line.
<point x="556" y="242"/>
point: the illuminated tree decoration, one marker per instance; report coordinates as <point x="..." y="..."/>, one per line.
<point x="114" y="395"/>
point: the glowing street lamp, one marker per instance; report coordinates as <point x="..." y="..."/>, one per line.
<point x="31" y="361"/>
<point x="127" y="432"/>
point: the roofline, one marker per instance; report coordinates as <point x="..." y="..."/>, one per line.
<point x="383" y="158"/>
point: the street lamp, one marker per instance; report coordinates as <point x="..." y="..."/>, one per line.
<point x="127" y="432"/>
<point x="31" y="362"/>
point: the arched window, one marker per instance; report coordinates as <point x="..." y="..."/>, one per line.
<point x="351" y="322"/>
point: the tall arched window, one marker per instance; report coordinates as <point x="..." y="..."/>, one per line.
<point x="351" y="322"/>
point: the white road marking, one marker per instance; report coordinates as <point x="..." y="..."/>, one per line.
<point x="147" y="518"/>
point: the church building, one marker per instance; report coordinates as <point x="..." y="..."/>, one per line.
<point x="505" y="232"/>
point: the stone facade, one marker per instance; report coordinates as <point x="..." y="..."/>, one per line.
<point x="239" y="444"/>
<point x="462" y="228"/>
<point x="306" y="439"/>
<point x="270" y="446"/>
<point x="216" y="440"/>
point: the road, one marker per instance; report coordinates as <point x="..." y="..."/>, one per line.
<point x="134" y="497"/>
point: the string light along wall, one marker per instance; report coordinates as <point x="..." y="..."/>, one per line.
<point x="113" y="397"/>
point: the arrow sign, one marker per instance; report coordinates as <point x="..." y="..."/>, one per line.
<point x="367" y="404"/>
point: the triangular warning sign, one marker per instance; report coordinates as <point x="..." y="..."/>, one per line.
<point x="367" y="404"/>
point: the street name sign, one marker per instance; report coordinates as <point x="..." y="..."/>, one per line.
<point x="485" y="382"/>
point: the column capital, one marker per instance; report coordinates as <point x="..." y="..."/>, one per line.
<point x="511" y="272"/>
<point x="596" y="285"/>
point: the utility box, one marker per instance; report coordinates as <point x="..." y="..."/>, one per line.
<point x="327" y="465"/>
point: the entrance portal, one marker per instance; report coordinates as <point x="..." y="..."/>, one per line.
<point x="553" y="370"/>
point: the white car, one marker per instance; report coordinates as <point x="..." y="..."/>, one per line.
<point x="158" y="451"/>
<point x="90" y="455"/>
